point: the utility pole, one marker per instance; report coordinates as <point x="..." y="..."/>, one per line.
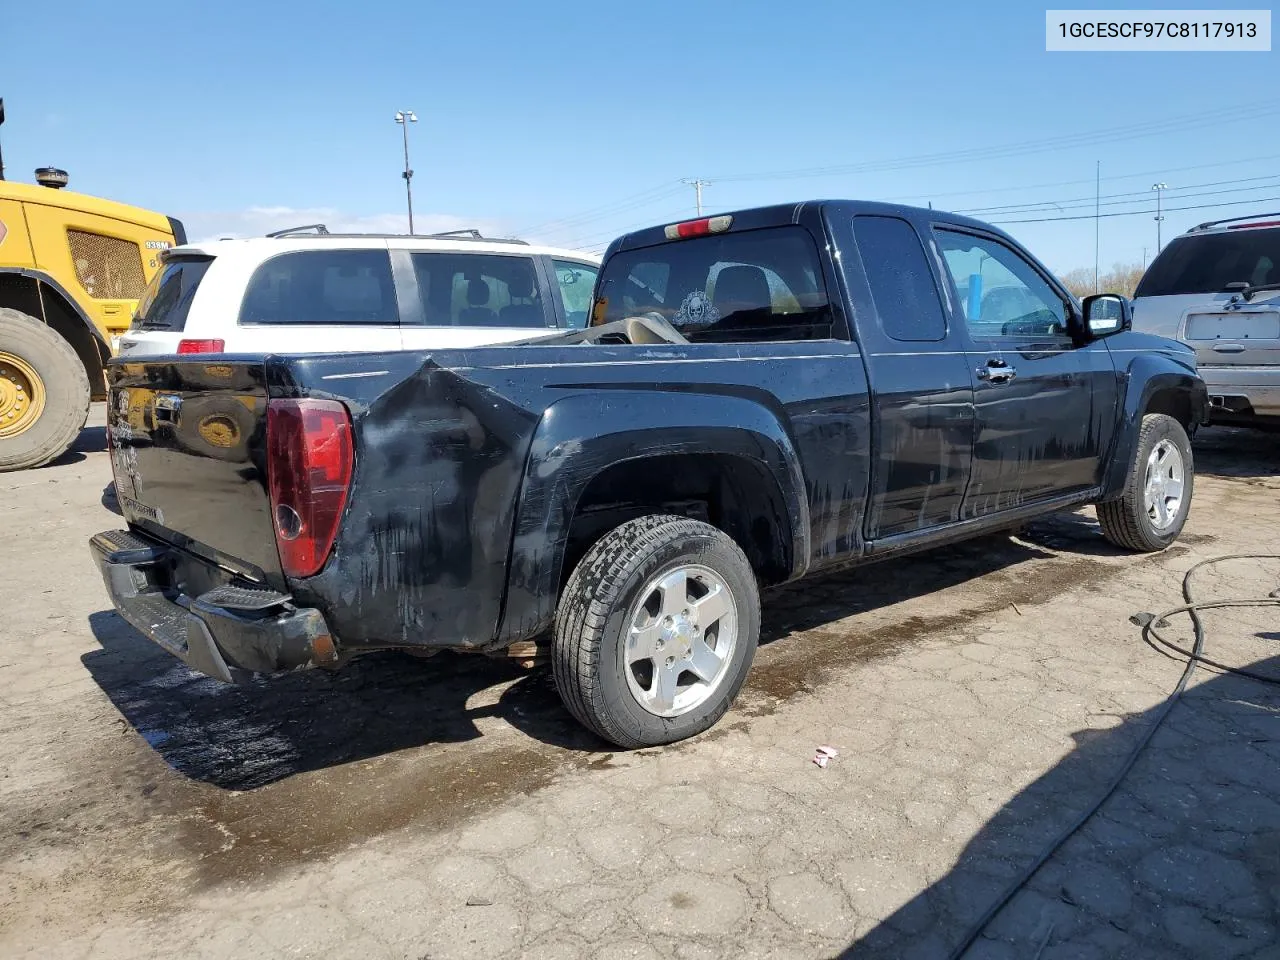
<point x="1144" y="259"/>
<point x="404" y="118"/>
<point x="1097" y="203"/>
<point x="1159" y="188"/>
<point x="1" y="124"/>
<point x="697" y="191"/>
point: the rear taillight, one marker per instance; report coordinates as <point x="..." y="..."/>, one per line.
<point x="201" y="346"/>
<point x="309" y="462"/>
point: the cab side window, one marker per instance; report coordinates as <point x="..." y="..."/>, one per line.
<point x="1001" y="295"/>
<point x="901" y="282"/>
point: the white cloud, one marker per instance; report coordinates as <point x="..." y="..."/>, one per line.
<point x="256" y="221"/>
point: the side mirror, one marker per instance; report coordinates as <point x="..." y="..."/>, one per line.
<point x="1106" y="313"/>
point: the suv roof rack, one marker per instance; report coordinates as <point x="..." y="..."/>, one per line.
<point x="320" y="230"/>
<point x="1216" y="223"/>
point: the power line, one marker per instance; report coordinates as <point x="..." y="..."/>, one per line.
<point x="631" y="201"/>
<point x="661" y="192"/>
<point x="1142" y="213"/>
<point x="1089" y="201"/>
<point x="1165" y="171"/>
<point x="586" y="241"/>
<point x="1145" y="195"/>
<point x="1250" y="112"/>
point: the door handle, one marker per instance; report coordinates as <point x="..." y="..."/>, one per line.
<point x="996" y="371"/>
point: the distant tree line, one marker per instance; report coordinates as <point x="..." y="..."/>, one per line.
<point x="1121" y="278"/>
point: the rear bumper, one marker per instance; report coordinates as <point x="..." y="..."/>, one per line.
<point x="228" y="632"/>
<point x="1241" y="392"/>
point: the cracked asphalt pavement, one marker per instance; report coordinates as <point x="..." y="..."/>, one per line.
<point x="981" y="697"/>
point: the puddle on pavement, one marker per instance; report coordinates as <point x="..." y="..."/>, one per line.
<point x="249" y="835"/>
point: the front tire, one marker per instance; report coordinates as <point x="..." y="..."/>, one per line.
<point x="44" y="393"/>
<point x="655" y="631"/>
<point x="1153" y="508"/>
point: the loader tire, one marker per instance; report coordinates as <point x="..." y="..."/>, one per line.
<point x="44" y="392"/>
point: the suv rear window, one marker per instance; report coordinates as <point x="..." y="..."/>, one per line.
<point x="167" y="299"/>
<point x="1207" y="262"/>
<point x="758" y="285"/>
<point x="322" y="286"/>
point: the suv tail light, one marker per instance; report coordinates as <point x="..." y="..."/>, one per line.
<point x="309" y="464"/>
<point x="201" y="346"/>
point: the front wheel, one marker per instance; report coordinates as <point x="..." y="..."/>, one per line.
<point x="44" y="392"/>
<point x="1153" y="508"/>
<point x="655" y="631"/>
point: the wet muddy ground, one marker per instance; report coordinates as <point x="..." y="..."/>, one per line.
<point x="146" y="811"/>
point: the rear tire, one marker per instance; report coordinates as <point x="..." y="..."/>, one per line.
<point x="630" y="577"/>
<point x="54" y="400"/>
<point x="1146" y="518"/>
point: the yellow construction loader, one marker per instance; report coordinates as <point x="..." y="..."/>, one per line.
<point x="72" y="268"/>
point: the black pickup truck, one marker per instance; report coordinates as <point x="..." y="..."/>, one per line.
<point x="758" y="397"/>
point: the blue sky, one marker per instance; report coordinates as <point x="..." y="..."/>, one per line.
<point x="571" y="122"/>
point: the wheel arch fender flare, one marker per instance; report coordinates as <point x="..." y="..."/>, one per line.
<point x="580" y="436"/>
<point x="73" y="305"/>
<point x="1154" y="384"/>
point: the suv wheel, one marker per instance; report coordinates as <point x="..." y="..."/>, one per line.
<point x="1153" y="509"/>
<point x="655" y="631"/>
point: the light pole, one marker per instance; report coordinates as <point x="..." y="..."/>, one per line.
<point x="1159" y="188"/>
<point x="404" y="118"/>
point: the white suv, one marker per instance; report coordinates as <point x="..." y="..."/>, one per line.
<point x="1217" y="288"/>
<point x="310" y="291"/>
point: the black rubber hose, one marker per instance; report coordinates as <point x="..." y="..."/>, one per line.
<point x="1194" y="655"/>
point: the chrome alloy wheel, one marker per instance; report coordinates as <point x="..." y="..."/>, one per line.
<point x="681" y="635"/>
<point x="1163" y="485"/>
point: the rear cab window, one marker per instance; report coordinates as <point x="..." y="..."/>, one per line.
<point x="167" y="300"/>
<point x="1209" y="262"/>
<point x="749" y="287"/>
<point x="322" y="287"/>
<point x="479" y="290"/>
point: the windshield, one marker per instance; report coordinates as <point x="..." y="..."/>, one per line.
<point x="168" y="298"/>
<point x="738" y="287"/>
<point x="1207" y="262"/>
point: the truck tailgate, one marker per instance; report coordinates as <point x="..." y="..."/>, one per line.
<point x="189" y="457"/>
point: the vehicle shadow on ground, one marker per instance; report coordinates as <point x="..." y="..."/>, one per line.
<point x="109" y="498"/>
<point x="89" y="440"/>
<point x="1182" y="861"/>
<point x="1236" y="452"/>
<point x="249" y="735"/>
<point x="245" y="736"/>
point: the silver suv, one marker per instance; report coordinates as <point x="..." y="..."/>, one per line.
<point x="1217" y="289"/>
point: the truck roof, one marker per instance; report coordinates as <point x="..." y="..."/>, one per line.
<point x="83" y="203"/>
<point x="782" y="213"/>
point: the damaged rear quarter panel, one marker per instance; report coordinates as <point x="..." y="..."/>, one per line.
<point x="422" y="549"/>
